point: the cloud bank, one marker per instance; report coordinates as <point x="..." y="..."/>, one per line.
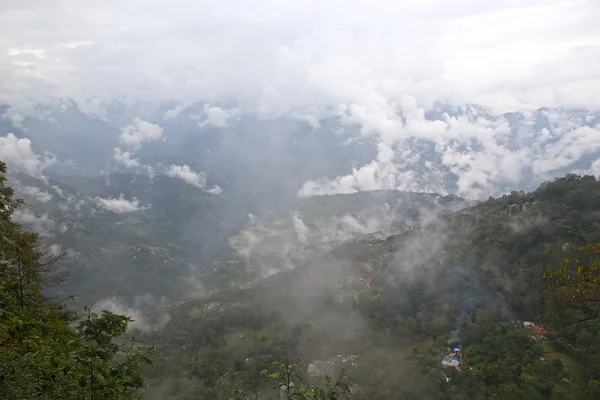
<point x="18" y="154"/>
<point x="308" y="58"/>
<point x="382" y="68"/>
<point x="482" y="153"/>
<point x="139" y="132"/>
<point x="120" y="205"/>
<point x="186" y="174"/>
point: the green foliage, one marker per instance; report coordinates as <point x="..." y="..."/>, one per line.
<point x="285" y="377"/>
<point x="41" y="355"/>
<point x="469" y="272"/>
<point x="577" y="282"/>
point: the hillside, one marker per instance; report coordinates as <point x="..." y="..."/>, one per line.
<point x="395" y="303"/>
<point x="164" y="236"/>
<point x="173" y="231"/>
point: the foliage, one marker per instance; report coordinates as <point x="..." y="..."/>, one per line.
<point x="577" y="282"/>
<point x="284" y="376"/>
<point x="467" y="273"/>
<point x="41" y="355"/>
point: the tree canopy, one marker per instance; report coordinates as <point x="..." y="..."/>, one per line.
<point x="42" y="356"/>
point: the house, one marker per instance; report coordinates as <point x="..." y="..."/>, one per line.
<point x="367" y="268"/>
<point x="567" y="246"/>
<point x="455" y="363"/>
<point x="453" y="359"/>
<point x="539" y="331"/>
<point x="320" y="368"/>
<point x="317" y="370"/>
<point x="528" y="324"/>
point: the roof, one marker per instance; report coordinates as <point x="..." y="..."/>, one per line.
<point x="367" y="268"/>
<point x="540" y="330"/>
<point x="319" y="368"/>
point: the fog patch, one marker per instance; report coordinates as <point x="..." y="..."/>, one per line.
<point x="146" y="312"/>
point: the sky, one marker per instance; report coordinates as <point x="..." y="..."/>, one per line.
<point x="276" y="57"/>
<point x="375" y="64"/>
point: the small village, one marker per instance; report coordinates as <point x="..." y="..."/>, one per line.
<point x="454" y="357"/>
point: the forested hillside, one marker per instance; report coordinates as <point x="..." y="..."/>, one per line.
<point x="472" y="278"/>
<point x="167" y="233"/>
<point x="506" y="288"/>
<point x="47" y="351"/>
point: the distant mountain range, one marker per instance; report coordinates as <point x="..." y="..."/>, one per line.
<point x="463" y="150"/>
<point x="128" y="235"/>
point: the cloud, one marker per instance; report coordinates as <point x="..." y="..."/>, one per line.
<point x="305" y="59"/>
<point x="139" y="132"/>
<point x="595" y="168"/>
<point x="125" y="158"/>
<point x="18" y="154"/>
<point x="186" y="174"/>
<point x="216" y="116"/>
<point x="141" y="320"/>
<point x="43" y="225"/>
<point x="468" y="152"/>
<point x="16" y="119"/>
<point x="58" y="191"/>
<point x="120" y="205"/>
<point x="379" y="68"/>
<point x="299" y="227"/>
<point x="35" y="193"/>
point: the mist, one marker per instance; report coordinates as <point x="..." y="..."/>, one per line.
<point x="321" y="181"/>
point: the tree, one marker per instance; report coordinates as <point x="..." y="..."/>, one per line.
<point x="576" y="283"/>
<point x="284" y="376"/>
<point x="107" y="378"/>
<point x="7" y="203"/>
<point x="41" y="355"/>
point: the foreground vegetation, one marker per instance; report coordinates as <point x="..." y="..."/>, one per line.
<point x="41" y="355"/>
<point x="392" y="306"/>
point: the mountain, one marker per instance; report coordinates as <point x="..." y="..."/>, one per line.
<point x="464" y="150"/>
<point x="326" y="240"/>
<point x="394" y="303"/>
<point x="130" y="237"/>
<point x="124" y="235"/>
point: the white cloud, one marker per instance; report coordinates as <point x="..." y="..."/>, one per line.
<point x="139" y="132"/>
<point x="140" y="320"/>
<point x="174" y="112"/>
<point x="125" y="158"/>
<point x="376" y="65"/>
<point x="595" y="168"/>
<point x="16" y="119"/>
<point x="43" y="225"/>
<point x="120" y="205"/>
<point x="58" y="191"/>
<point x="36" y="194"/>
<point x="55" y="249"/>
<point x="186" y="174"/>
<point x="311" y="56"/>
<point x="483" y="154"/>
<point x="217" y="117"/>
<point x="300" y="227"/>
<point x="18" y="154"/>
